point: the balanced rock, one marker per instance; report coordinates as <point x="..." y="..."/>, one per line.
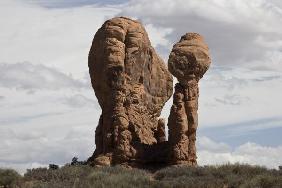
<point x="132" y="84"/>
<point x="188" y="62"/>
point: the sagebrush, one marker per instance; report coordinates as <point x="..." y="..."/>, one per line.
<point x="84" y="176"/>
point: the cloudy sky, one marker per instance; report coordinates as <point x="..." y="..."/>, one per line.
<point x="48" y="110"/>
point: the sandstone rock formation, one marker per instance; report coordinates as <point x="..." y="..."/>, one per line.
<point x="132" y="84"/>
<point x="188" y="62"/>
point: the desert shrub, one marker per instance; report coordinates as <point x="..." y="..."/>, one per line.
<point x="218" y="176"/>
<point x="264" y="181"/>
<point x="62" y="177"/>
<point x="8" y="177"/>
<point x="53" y="166"/>
<point x="36" y="174"/>
<point x="75" y="161"/>
<point x="178" y="177"/>
<point x="84" y="176"/>
<point x="236" y="175"/>
<point x="115" y="177"/>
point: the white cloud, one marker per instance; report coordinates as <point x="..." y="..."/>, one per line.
<point x="205" y="143"/>
<point x="72" y="3"/>
<point x="55" y="120"/>
<point x="235" y="95"/>
<point x="45" y="149"/>
<point x="232" y="99"/>
<point x="236" y="31"/>
<point x="78" y="101"/>
<point x="59" y="38"/>
<point x="23" y="150"/>
<point x="250" y="153"/>
<point x="157" y="35"/>
<point x="33" y="77"/>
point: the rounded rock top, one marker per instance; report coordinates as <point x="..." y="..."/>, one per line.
<point x="189" y="58"/>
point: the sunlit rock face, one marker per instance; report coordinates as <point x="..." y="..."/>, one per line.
<point x="188" y="62"/>
<point x="132" y="84"/>
<point x="189" y="58"/>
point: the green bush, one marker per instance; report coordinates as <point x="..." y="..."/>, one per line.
<point x="84" y="176"/>
<point x="66" y="176"/>
<point x="219" y="176"/>
<point x="264" y="181"/>
<point x="8" y="177"/>
<point x="119" y="177"/>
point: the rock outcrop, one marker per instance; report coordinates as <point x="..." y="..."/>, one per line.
<point x="132" y="84"/>
<point x="188" y="62"/>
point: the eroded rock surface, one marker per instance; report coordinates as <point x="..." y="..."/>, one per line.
<point x="132" y="85"/>
<point x="188" y="62"/>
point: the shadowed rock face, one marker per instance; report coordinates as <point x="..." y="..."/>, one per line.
<point x="132" y="85"/>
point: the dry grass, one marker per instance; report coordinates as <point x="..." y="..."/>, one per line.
<point x="83" y="176"/>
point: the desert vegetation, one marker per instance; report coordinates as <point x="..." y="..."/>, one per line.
<point x="78" y="175"/>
